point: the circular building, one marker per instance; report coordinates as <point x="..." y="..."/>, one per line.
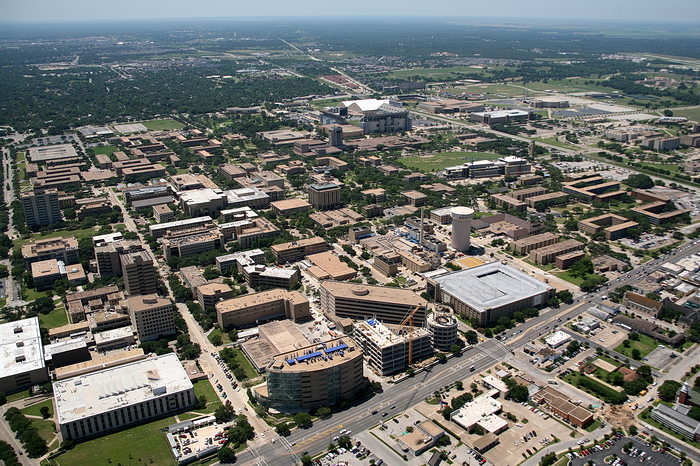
<point x="442" y="325"/>
<point x="461" y="227"/>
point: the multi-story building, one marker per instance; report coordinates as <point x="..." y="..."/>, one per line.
<point x="593" y="188"/>
<point x="211" y="293"/>
<point x="657" y="213"/>
<point x="108" y="255"/>
<point x="151" y="316"/>
<point x="488" y="292"/>
<point x="385" y="351"/>
<point x="240" y="259"/>
<point x="111" y="399"/>
<point x="488" y="168"/>
<point x="159" y="230"/>
<point x="361" y="302"/>
<point x="21" y="355"/>
<point x="139" y="273"/>
<point x="507" y="202"/>
<point x="614" y="226"/>
<point x="163" y="213"/>
<point x="41" y="207"/>
<point x="336" y="217"/>
<point x="65" y="250"/>
<point x="379" y="116"/>
<point x="547" y="254"/>
<point x="258" y="308"/>
<point x="415" y="198"/>
<point x="312" y="376"/>
<point x="297" y="250"/>
<point x="525" y="245"/>
<point x="524" y="194"/>
<point x="205" y="201"/>
<point x="290" y="206"/>
<point x="326" y="265"/>
<point x="549" y="199"/>
<point x="252" y="197"/>
<point x="324" y="196"/>
<point x="184" y="243"/>
<point x="231" y="171"/>
<point x="501" y="116"/>
<point x="46" y="273"/>
<point x="261" y="277"/>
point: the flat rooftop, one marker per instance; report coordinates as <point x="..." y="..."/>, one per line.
<point x="106" y="390"/>
<point x="180" y="223"/>
<point x="249" y="300"/>
<point x="374" y="293"/>
<point x="59" y="151"/>
<point x="490" y="286"/>
<point x="20" y="347"/>
<point x="314" y="357"/>
<point x="383" y="336"/>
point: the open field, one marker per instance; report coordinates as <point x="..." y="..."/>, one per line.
<point x="161" y="125"/>
<point x="437" y="73"/>
<point x="105" y="150"/>
<point x="205" y="388"/>
<point x="445" y="159"/>
<point x="79" y="234"/>
<point x="691" y="114"/>
<point x="645" y="345"/>
<point x="55" y="318"/>
<point x="224" y="336"/>
<point x="250" y="371"/>
<point x="35" y="410"/>
<point x="144" y="444"/>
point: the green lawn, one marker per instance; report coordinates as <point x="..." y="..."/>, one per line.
<point x="593" y="426"/>
<point x="55" y="318"/>
<point x="672" y="167"/>
<point x="18" y="396"/>
<point x="445" y="159"/>
<point x="204" y="387"/>
<point x="160" y="125"/>
<point x="565" y="276"/>
<point x="144" y="444"/>
<point x="79" y="234"/>
<point x="105" y="150"/>
<point x="691" y="114"/>
<point x="645" y="345"/>
<point x="224" y="335"/>
<point x="45" y="429"/>
<point x="245" y="364"/>
<point x="30" y="294"/>
<point x="35" y="410"/>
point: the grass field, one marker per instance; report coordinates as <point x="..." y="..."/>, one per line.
<point x="436" y="73"/>
<point x="224" y="335"/>
<point x="160" y="125"/>
<point x="144" y="444"/>
<point x="45" y="429"/>
<point x="245" y="364"/>
<point x="30" y="294"/>
<point x="18" y="396"/>
<point x="204" y="387"/>
<point x="35" y="410"/>
<point x="55" y="318"/>
<point x="691" y="114"/>
<point x="575" y="280"/>
<point x="645" y="345"/>
<point x="672" y="167"/>
<point x="79" y="234"/>
<point x="445" y="159"/>
<point x="105" y="150"/>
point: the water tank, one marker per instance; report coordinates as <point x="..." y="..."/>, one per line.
<point x="461" y="227"/>
<point x="443" y="329"/>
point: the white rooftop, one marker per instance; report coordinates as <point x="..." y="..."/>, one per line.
<point x="201" y="196"/>
<point x="557" y="338"/>
<point x="20" y="347"/>
<point x="367" y="105"/>
<point x="180" y="223"/>
<point x="106" y="390"/>
<point x="490" y="285"/>
<point x="113" y="335"/>
<point x="474" y="411"/>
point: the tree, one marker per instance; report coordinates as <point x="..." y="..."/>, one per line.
<point x="226" y="455"/>
<point x="633" y="430"/>
<point x="634" y="336"/>
<point x="456" y="349"/>
<point x="45" y="412"/>
<point x="471" y="337"/>
<point x="639" y="181"/>
<point x="224" y="413"/>
<point x="344" y="441"/>
<point x="283" y="429"/>
<point x="233" y="334"/>
<point x="459" y="385"/>
<point x="324" y="412"/>
<point x="303" y="420"/>
<point x="636" y="354"/>
<point x="217" y="340"/>
<point x="410" y="372"/>
<point x="668" y="389"/>
<point x="519" y="393"/>
<point x="549" y="459"/>
<point x="615" y="378"/>
<point x="306" y="460"/>
<point x="441" y="357"/>
<point x="566" y="296"/>
<point x="572" y="347"/>
<point x="644" y="371"/>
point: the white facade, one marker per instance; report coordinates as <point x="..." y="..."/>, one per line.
<point x="461" y="228"/>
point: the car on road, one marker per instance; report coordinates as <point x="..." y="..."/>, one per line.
<point x="385" y="414"/>
<point x="375" y="411"/>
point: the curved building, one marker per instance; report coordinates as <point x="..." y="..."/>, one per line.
<point x="313" y="376"/>
<point x="461" y="227"/>
<point x="442" y="325"/>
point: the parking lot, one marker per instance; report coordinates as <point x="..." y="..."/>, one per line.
<point x="650" y="457"/>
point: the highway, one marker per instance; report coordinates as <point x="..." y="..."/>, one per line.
<point x="413" y="390"/>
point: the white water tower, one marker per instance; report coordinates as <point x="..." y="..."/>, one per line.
<point x="461" y="227"/>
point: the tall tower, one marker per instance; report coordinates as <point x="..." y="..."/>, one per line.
<point x="532" y="149"/>
<point x="335" y="136"/>
<point x="461" y="227"/>
<point x="139" y="273"/>
<point x="41" y="207"/>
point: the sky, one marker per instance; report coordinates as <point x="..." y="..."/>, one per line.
<point x="85" y="10"/>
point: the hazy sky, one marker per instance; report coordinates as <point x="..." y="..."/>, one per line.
<point x="80" y="10"/>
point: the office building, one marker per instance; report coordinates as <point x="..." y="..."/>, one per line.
<point x="547" y="254"/>
<point x="287" y="207"/>
<point x="65" y="250"/>
<point x="385" y="351"/>
<point x="151" y="316"/>
<point x="258" y="308"/>
<point x="509" y="203"/>
<point x="614" y="226"/>
<point x="21" y="355"/>
<point x="184" y="243"/>
<point x="240" y="259"/>
<point x="205" y="201"/>
<point x="442" y="325"/>
<point x="657" y="213"/>
<point x="501" y="116"/>
<point x="111" y="399"/>
<point x="41" y="207"/>
<point x="487" y="292"/>
<point x="46" y="153"/>
<point x="211" y="293"/>
<point x="108" y="256"/>
<point x="488" y="168"/>
<point x="527" y="244"/>
<point x="361" y="302"/>
<point x="560" y="404"/>
<point x="593" y="188"/>
<point x="139" y="273"/>
<point x="163" y="213"/>
<point x="482" y="411"/>
<point x="312" y="375"/>
<point x="379" y="116"/>
<point x="261" y="277"/>
<point x="251" y="197"/>
<point x="335" y="136"/>
<point x="324" y="196"/>
<point x="46" y="273"/>
<point x="297" y="250"/>
<point x="159" y="229"/>
<point x="327" y="266"/>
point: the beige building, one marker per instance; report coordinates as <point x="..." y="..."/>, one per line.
<point x="525" y="245"/>
<point x="297" y="250"/>
<point x="257" y="308"/>
<point x="46" y="273"/>
<point x="186" y="243"/>
<point x="59" y="248"/>
<point x="290" y="206"/>
<point x="362" y="302"/>
<point x="327" y="266"/>
<point x="163" y="213"/>
<point x="415" y="198"/>
<point x="108" y="256"/>
<point x="152" y="316"/>
<point x="386" y="352"/>
<point x="614" y="226"/>
<point x="547" y="254"/>
<point x="211" y="293"/>
<point x="507" y="202"/>
<point x="139" y="273"/>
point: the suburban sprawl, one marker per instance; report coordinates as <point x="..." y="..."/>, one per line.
<point x="302" y="245"/>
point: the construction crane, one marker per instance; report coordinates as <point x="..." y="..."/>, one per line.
<point x="408" y="320"/>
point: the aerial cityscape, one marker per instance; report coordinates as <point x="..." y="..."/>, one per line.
<point x="350" y="241"/>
